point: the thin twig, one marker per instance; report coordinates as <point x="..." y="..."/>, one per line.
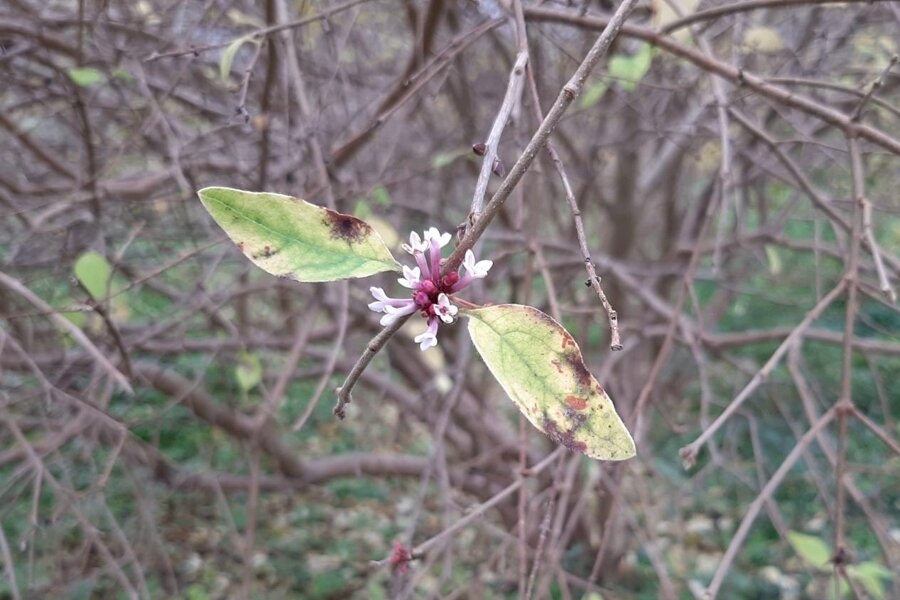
<point x="538" y="553"/>
<point x="196" y="50"/>
<point x="736" y="7"/>
<point x="879" y="81"/>
<point x="844" y="404"/>
<point x="512" y="97"/>
<point x="884" y="283"/>
<point x="593" y="280"/>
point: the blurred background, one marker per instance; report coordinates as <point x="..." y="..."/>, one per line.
<point x="166" y="426"/>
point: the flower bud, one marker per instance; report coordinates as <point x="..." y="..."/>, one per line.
<point x="428" y="287"/>
<point x="449" y="280"/>
<point x="421" y="298"/>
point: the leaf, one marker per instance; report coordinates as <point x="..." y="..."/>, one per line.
<point x="228" y="56"/>
<point x="93" y="271"/>
<point x="664" y="13"/>
<point x="593" y="94"/>
<point x="380" y="196"/>
<point x="631" y="69"/>
<point x="811" y="549"/>
<point x="774" y="258"/>
<point x="248" y="372"/>
<point x="870" y="574"/>
<point x="292" y="238"/>
<point x="241" y="18"/>
<point x="85" y="76"/>
<point x="539" y="366"/>
<point x="765" y="40"/>
<point x="442" y="159"/>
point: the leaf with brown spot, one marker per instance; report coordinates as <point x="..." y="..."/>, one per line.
<point x="294" y="239"/>
<point x="540" y="367"/>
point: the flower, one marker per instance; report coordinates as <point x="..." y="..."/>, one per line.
<point x="445" y="310"/>
<point x="383" y="300"/>
<point x="474" y="270"/>
<point x="428" y="338"/>
<point x="416" y="244"/>
<point x="430" y="290"/>
<point x="479" y="269"/>
<point x="417" y="248"/>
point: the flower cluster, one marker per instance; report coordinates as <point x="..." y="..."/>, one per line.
<point x="430" y="291"/>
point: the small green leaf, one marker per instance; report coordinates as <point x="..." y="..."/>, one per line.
<point x="593" y="93"/>
<point x="292" y="238"/>
<point x="774" y="259"/>
<point x="632" y="68"/>
<point x="248" y="372"/>
<point x="870" y="574"/>
<point x="540" y="367"/>
<point x="228" y="56"/>
<point x="94" y="272"/>
<point x="120" y="73"/>
<point x="85" y="76"/>
<point x="380" y="196"/>
<point x="442" y="159"/>
<point x="811" y="549"/>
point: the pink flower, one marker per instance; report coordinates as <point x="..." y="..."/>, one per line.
<point x="445" y="310"/>
<point x="428" y="338"/>
<point x="430" y="292"/>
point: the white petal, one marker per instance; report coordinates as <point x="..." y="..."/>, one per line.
<point x="441" y="238"/>
<point x="410" y="277"/>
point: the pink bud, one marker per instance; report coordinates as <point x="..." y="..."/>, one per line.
<point x="428" y="287"/>
<point x="449" y="280"/>
<point x="400" y="558"/>
<point x="421" y="298"/>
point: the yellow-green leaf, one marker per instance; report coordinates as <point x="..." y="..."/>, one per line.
<point x="631" y="69"/>
<point x="228" y="56"/>
<point x="593" y="93"/>
<point x="764" y="40"/>
<point x="94" y="272"/>
<point x="85" y="76"/>
<point x="540" y="367"/>
<point x="871" y="574"/>
<point x="811" y="549"/>
<point x="248" y="371"/>
<point x="292" y="238"/>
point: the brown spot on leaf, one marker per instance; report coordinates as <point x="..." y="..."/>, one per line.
<point x="567" y="340"/>
<point x="557" y="364"/>
<point x="575" y="362"/>
<point x="563" y="438"/>
<point x="346" y="227"/>
<point x="240" y="246"/>
<point x="576" y="403"/>
<point x="267" y="252"/>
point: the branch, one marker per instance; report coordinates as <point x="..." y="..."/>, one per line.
<point x="737" y="76"/>
<point x="737" y="7"/>
<point x="512" y="97"/>
<point x="689" y="452"/>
